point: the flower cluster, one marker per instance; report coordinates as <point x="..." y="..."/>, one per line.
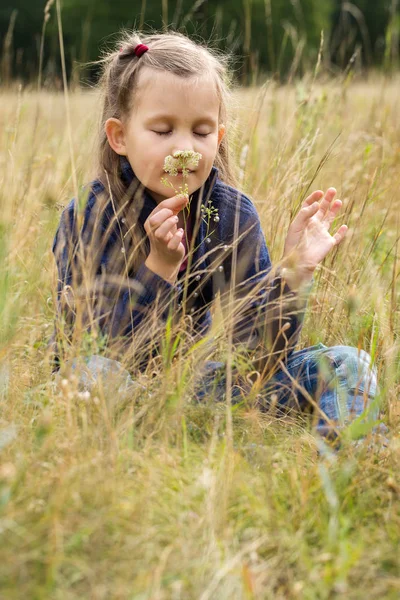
<point x="180" y="160"/>
<point x="211" y="212"/>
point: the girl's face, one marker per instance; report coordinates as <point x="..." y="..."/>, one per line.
<point x="170" y="113"/>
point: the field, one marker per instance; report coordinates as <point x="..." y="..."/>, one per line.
<point x="177" y="501"/>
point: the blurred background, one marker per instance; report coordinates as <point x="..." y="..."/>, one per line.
<point x="278" y="38"/>
<point x="159" y="497"/>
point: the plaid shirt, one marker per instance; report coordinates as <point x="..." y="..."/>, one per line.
<point x="268" y="315"/>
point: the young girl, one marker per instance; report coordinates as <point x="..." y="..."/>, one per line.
<point x="134" y="255"/>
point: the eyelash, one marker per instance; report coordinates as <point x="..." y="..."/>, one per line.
<point x="168" y="132"/>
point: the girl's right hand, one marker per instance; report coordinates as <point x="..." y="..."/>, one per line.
<point x="166" y="248"/>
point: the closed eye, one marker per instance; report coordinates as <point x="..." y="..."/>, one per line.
<point x="168" y="132"/>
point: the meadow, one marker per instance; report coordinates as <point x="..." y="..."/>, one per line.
<point x="157" y="498"/>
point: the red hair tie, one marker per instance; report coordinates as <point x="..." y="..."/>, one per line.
<point x="138" y="50"/>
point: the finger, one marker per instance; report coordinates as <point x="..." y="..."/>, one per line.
<point x="326" y="202"/>
<point x="174" y="242"/>
<point x="314" y="197"/>
<point x="159" y="217"/>
<point x="333" y="211"/>
<point x="176" y="203"/>
<point x="166" y="227"/>
<point x="339" y="235"/>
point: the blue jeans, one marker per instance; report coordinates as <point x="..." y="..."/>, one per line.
<point x="336" y="383"/>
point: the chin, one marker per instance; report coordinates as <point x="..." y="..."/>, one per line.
<point x="167" y="192"/>
<point x="160" y="194"/>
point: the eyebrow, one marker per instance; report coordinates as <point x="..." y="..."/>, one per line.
<point x="164" y="117"/>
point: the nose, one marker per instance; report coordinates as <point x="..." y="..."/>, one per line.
<point x="182" y="146"/>
<point x="183" y="141"/>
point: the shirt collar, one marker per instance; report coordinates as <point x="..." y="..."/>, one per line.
<point x="128" y="175"/>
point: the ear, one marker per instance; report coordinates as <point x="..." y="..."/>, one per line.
<point x="114" y="130"/>
<point x="221" y="133"/>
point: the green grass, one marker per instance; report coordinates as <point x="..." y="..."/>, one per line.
<point x="157" y="498"/>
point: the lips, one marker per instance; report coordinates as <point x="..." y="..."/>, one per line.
<point x="180" y="174"/>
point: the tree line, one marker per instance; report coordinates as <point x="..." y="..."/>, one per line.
<point x="280" y="38"/>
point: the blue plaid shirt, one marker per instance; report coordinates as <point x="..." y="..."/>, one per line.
<point x="268" y="316"/>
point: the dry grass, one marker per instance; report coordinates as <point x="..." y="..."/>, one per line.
<point x="101" y="501"/>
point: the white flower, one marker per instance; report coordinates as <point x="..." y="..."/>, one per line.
<point x="181" y="160"/>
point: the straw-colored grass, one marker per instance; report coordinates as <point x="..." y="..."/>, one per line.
<point x="148" y="500"/>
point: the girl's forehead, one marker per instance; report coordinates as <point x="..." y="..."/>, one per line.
<point x="164" y="90"/>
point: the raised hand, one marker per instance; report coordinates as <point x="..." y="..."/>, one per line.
<point x="308" y="239"/>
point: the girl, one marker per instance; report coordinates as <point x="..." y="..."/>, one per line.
<point x="133" y="254"/>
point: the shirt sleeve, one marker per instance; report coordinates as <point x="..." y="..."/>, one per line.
<point x="268" y="315"/>
<point x="90" y="297"/>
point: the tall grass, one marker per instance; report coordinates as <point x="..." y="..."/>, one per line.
<point x="144" y="497"/>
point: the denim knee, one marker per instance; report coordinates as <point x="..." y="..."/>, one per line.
<point x="356" y="366"/>
<point x="355" y="375"/>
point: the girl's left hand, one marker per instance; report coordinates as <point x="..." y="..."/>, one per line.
<point x="308" y="239"/>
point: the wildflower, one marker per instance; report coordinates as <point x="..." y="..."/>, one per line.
<point x="180" y="160"/>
